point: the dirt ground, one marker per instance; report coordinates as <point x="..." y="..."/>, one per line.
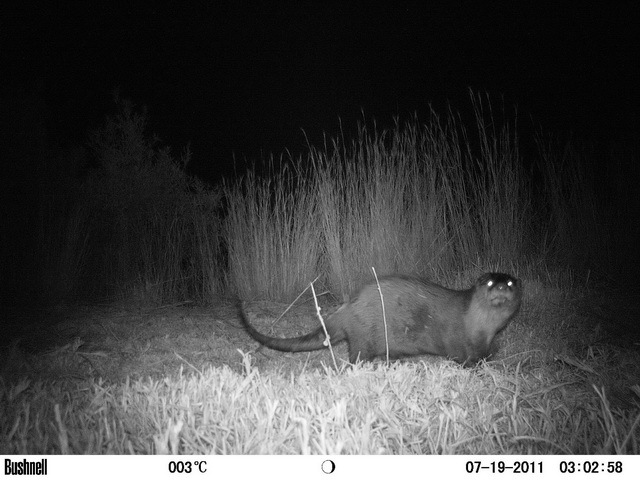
<point x="117" y="341"/>
<point x="123" y="339"/>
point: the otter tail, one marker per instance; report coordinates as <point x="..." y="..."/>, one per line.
<point x="305" y="343"/>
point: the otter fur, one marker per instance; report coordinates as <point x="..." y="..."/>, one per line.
<point x="422" y="318"/>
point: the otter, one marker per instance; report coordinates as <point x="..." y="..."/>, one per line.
<point x="422" y="318"/>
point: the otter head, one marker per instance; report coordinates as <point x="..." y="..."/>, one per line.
<point x="496" y="298"/>
<point x="500" y="291"/>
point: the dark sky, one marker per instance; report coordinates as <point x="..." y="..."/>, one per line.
<point x="232" y="79"/>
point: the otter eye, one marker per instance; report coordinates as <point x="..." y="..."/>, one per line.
<point x="509" y="283"/>
<point x="490" y="283"/>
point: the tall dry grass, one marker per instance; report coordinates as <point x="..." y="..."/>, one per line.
<point x="271" y="234"/>
<point x="447" y="195"/>
<point x="420" y="198"/>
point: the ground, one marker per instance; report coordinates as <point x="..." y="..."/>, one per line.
<point x="119" y="340"/>
<point x="123" y="339"/>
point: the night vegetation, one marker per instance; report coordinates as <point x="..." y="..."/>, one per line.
<point x="445" y="197"/>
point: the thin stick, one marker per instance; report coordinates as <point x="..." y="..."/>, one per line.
<point x="291" y="304"/>
<point x="327" y="341"/>
<point x="384" y="316"/>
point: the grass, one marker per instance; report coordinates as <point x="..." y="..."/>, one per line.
<point x="188" y="381"/>
<point x="430" y="199"/>
<point x="437" y="199"/>
<point x="416" y="199"/>
<point x="410" y="408"/>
